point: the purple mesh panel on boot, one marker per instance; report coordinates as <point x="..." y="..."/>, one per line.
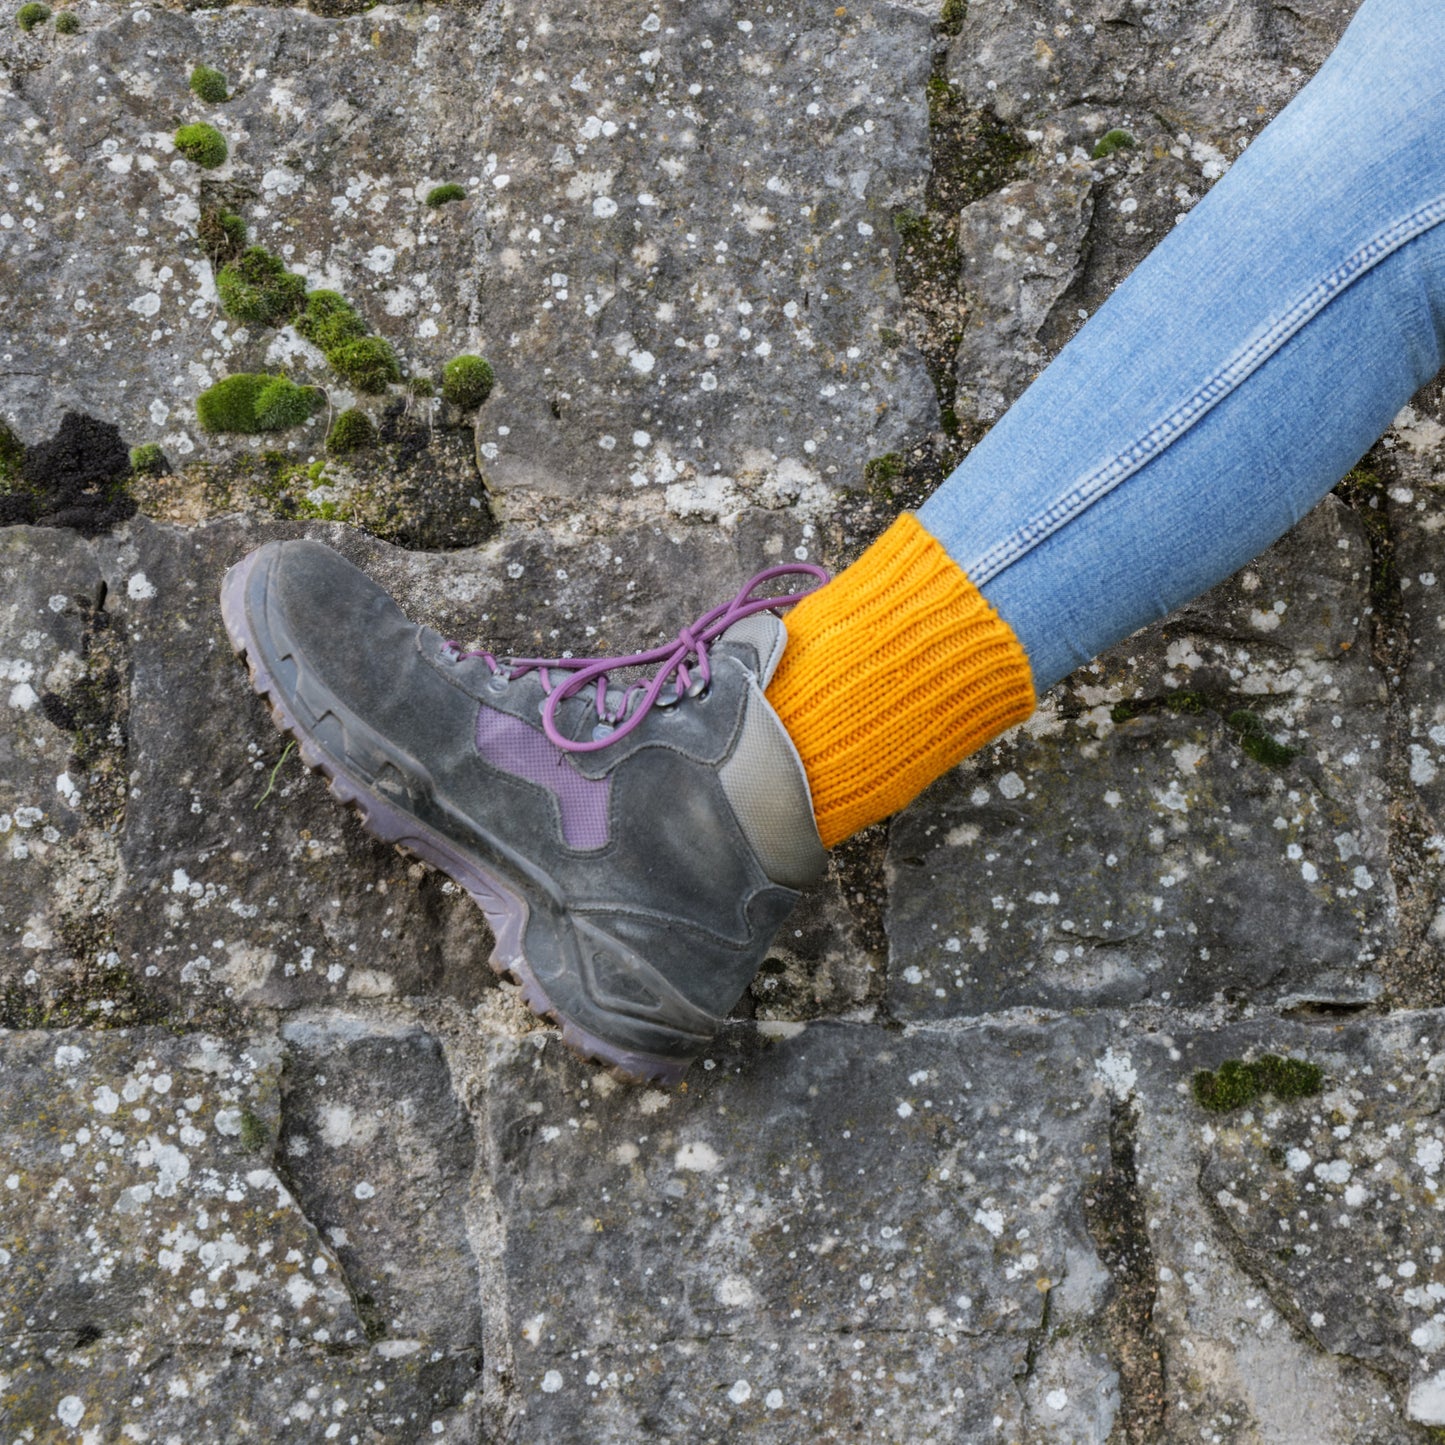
<point x="508" y="744"/>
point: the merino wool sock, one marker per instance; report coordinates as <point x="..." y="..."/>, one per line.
<point x="894" y="672"/>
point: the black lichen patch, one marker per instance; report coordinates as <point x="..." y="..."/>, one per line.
<point x="1236" y="1082"/>
<point x="76" y="479"/>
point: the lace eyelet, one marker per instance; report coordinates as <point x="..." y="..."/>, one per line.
<point x="497" y="682"/>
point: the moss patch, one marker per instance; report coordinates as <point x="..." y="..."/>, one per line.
<point x="1111" y="141"/>
<point x="12" y="453"/>
<point x="1255" y="739"/>
<point x="367" y="363"/>
<point x="148" y="460"/>
<point x="209" y="84"/>
<point x="443" y="195"/>
<point x="251" y="402"/>
<point x="27" y="17"/>
<point x="222" y="234"/>
<point x="258" y="287"/>
<point x="201" y="144"/>
<point x="467" y="381"/>
<point x="352" y="431"/>
<point x="328" y="319"/>
<point x="881" y="474"/>
<point x="1236" y="1083"/>
<point x="281" y="404"/>
<point x="67" y="23"/>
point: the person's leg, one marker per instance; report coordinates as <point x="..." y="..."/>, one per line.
<point x="1211" y="402"/>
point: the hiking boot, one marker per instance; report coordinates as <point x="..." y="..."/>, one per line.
<point x="634" y="848"/>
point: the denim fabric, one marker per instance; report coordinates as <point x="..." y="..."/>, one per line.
<point x="1237" y="374"/>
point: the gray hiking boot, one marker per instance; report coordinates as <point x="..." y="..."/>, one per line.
<point x="634" y="848"/>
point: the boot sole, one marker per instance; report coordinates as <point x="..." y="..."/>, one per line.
<point x="506" y="911"/>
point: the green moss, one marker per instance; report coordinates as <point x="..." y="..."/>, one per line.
<point x="222" y="233"/>
<point x="1247" y="723"/>
<point x="1269" y="751"/>
<point x="281" y="404"/>
<point x="67" y="23"/>
<point x="1123" y="712"/>
<point x="12" y="454"/>
<point x="328" y="319"/>
<point x="422" y="386"/>
<point x="367" y="363"/>
<point x="1236" y="1083"/>
<point x="202" y="144"/>
<point x="148" y="460"/>
<point x="441" y="195"/>
<point x="1363" y="490"/>
<point x="255" y="1136"/>
<point x="258" y="287"/>
<point x="952" y="16"/>
<point x="27" y="17"/>
<point x="1111" y="141"/>
<point x="1186" y="702"/>
<point x="467" y="381"/>
<point x="880" y="473"/>
<point x="1287" y="1078"/>
<point x="251" y="402"/>
<point x="1231" y="1086"/>
<point x="1255" y="739"/>
<point x="352" y="431"/>
<point x="943" y="97"/>
<point x="209" y="84"/>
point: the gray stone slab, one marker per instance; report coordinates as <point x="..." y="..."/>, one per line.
<point x="62" y="783"/>
<point x="379" y="1152"/>
<point x="336" y="129"/>
<point x="1190" y="86"/>
<point x="901" y="1212"/>
<point x="158" y="1272"/>
<point x="690" y="249"/>
<point x="1088" y="861"/>
<point x="1294" y="1243"/>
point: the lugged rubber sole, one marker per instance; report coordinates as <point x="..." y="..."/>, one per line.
<point x="506" y="910"/>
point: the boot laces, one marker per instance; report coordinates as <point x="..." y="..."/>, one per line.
<point x="620" y="712"/>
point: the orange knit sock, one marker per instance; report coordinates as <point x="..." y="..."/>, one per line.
<point x="894" y="671"/>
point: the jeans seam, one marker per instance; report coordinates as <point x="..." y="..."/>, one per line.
<point x="1104" y="478"/>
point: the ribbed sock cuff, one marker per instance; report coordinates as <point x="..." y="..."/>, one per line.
<point x="894" y="672"/>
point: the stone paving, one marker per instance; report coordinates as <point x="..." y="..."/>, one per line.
<point x="1098" y="1097"/>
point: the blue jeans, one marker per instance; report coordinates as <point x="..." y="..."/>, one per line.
<point x="1236" y="375"/>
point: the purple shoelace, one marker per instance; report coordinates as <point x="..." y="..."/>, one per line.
<point x="616" y="711"/>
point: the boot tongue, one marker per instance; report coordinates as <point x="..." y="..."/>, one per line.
<point x="764" y="636"/>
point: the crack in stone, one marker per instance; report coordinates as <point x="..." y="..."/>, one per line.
<point x="1115" y="1216"/>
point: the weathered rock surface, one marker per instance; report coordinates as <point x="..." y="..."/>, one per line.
<point x="283" y="1161"/>
<point x="157" y="1269"/>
